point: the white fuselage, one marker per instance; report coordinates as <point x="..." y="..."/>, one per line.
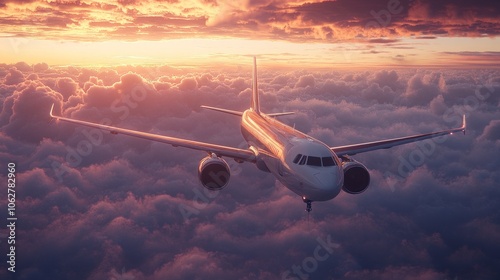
<point x="303" y="164"/>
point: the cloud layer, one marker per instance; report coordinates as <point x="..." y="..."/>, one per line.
<point x="99" y="206"/>
<point x="289" y="20"/>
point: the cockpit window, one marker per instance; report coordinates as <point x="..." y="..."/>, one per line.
<point x="313" y="161"/>
<point x="328" y="161"/>
<point x="297" y="158"/>
<point x="303" y="160"/>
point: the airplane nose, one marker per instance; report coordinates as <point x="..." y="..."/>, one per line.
<point x="327" y="180"/>
<point x="327" y="185"/>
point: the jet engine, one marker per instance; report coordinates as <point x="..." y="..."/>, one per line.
<point x="213" y="173"/>
<point x="356" y="176"/>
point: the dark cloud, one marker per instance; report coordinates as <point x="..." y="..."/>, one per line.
<point x="100" y="206"/>
<point x="382" y="41"/>
<point x="58" y="21"/>
<point x="426" y="37"/>
<point x="457" y="9"/>
<point x="171" y="20"/>
<point x="492" y="131"/>
<point x="345" y="12"/>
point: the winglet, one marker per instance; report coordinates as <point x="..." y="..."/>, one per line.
<point x="464" y="124"/>
<point x="255" y="90"/>
<point x="52" y="109"/>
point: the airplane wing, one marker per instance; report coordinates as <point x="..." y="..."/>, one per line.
<point x="235" y="153"/>
<point x="385" y="144"/>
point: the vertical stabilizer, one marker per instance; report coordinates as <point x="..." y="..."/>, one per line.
<point x="255" y="90"/>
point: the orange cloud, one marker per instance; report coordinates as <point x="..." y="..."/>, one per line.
<point x="294" y="21"/>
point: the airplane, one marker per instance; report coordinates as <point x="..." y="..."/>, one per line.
<point x="308" y="167"/>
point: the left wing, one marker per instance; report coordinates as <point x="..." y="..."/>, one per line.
<point x="235" y="153"/>
<point x="385" y="144"/>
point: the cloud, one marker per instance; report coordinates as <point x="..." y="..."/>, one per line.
<point x="14" y="77"/>
<point x="67" y="87"/>
<point x="492" y="131"/>
<point x="382" y="41"/>
<point x="399" y="272"/>
<point x="28" y="117"/>
<point x="423" y="88"/>
<point x="95" y="205"/>
<point x="304" y="81"/>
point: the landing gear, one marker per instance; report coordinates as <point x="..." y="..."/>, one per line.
<point x="308" y="204"/>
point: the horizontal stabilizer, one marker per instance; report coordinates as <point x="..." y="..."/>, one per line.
<point x="280" y="114"/>
<point x="236" y="113"/>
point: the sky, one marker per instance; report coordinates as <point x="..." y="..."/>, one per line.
<point x="318" y="34"/>
<point x="93" y="205"/>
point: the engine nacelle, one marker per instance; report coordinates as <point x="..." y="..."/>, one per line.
<point x="213" y="173"/>
<point x="356" y="177"/>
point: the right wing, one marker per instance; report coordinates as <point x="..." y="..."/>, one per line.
<point x="235" y="153"/>
<point x="386" y="144"/>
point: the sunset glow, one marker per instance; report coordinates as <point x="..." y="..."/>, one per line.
<point x="292" y="33"/>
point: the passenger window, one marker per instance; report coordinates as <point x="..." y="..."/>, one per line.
<point x="303" y="160"/>
<point x="297" y="158"/>
<point x="328" y="161"/>
<point x="314" y="161"/>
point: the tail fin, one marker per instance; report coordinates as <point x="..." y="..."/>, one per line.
<point x="255" y="90"/>
<point x="255" y="106"/>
